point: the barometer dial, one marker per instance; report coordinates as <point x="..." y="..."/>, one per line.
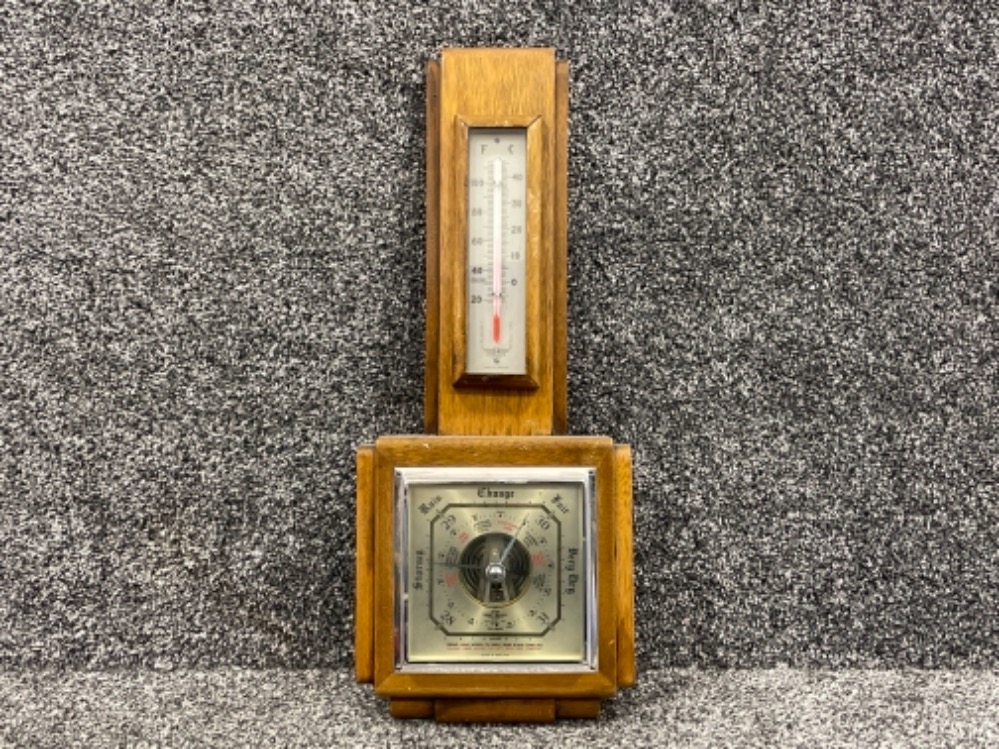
<point x="497" y="571"/>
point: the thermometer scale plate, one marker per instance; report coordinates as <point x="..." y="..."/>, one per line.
<point x="496" y="333"/>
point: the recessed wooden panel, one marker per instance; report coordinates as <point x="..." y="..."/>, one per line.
<point x="537" y="298"/>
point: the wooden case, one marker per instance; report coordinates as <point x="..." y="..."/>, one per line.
<point x="476" y="420"/>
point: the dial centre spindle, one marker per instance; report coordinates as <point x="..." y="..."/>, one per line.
<point x="495" y="572"/>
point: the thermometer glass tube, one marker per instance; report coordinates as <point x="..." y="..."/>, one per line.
<point x="496" y="340"/>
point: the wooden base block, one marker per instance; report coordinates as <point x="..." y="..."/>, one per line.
<point x="494" y="711"/>
<point x="577" y="709"/>
<point x="410" y="709"/>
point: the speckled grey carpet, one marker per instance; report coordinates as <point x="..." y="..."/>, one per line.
<point x="670" y="708"/>
<point x="783" y="294"/>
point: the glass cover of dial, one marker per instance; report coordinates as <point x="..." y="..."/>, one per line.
<point x="497" y="571"/>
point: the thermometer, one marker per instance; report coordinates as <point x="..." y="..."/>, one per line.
<point x="496" y="252"/>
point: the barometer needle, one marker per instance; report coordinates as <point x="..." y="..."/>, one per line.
<point x="513" y="540"/>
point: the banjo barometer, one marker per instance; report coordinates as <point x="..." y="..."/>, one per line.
<point x="494" y="553"/>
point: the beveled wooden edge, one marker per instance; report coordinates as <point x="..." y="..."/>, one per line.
<point x="624" y="564"/>
<point x="432" y="327"/>
<point x="607" y="517"/>
<point x="532" y="685"/>
<point x="383" y="605"/>
<point x="491" y="450"/>
<point x="364" y="567"/>
<point x="560" y="254"/>
<point x="537" y="281"/>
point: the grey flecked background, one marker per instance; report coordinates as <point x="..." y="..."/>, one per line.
<point x="783" y="294"/>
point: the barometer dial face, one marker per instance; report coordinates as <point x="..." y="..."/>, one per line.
<point x="497" y="567"/>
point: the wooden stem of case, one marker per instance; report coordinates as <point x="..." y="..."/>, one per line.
<point x="501" y="88"/>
